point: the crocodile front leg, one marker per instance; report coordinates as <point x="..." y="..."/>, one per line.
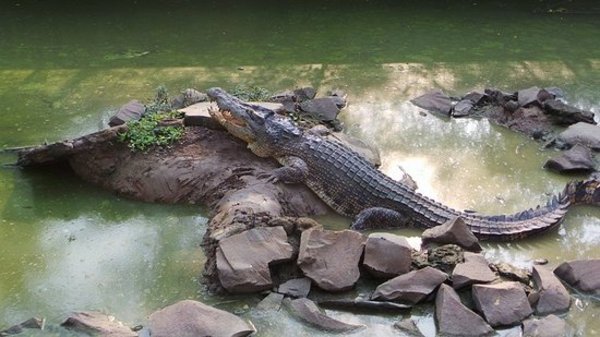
<point x="379" y="218"/>
<point x="294" y="170"/>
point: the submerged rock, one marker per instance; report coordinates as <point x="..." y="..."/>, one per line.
<point x="387" y="255"/>
<point x="330" y="258"/>
<point x="502" y="304"/>
<point x="475" y="269"/>
<point x="549" y="326"/>
<point x="243" y="259"/>
<point x="271" y="302"/>
<point x="512" y="272"/>
<point x="454" y="231"/>
<point x="298" y="287"/>
<point x="97" y="324"/>
<point x="192" y="318"/>
<point x="32" y="323"/>
<point x="583" y="133"/>
<point x="410" y="288"/>
<point x="553" y="296"/>
<point x="409" y="327"/>
<point x="577" y="158"/>
<point x="133" y="110"/>
<point x="307" y="311"/>
<point x="583" y="275"/>
<point x="434" y="101"/>
<point x="454" y="318"/>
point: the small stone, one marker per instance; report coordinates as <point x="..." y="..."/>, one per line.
<point x="475" y="269"/>
<point x="331" y="258"/>
<point x="540" y="261"/>
<point x="454" y="231"/>
<point x="410" y="288"/>
<point x="98" y="324"/>
<point x="323" y="109"/>
<point x="554" y="297"/>
<point x="454" y="318"/>
<point x="387" y="255"/>
<point x="307" y="311"/>
<point x="133" y="110"/>
<point x="305" y="94"/>
<point x="502" y="304"/>
<point x="271" y="302"/>
<point x="298" y="287"/>
<point x="549" y="326"/>
<point x="409" y="327"/>
<point x="434" y="101"/>
<point x="528" y="96"/>
<point x="32" y="323"/>
<point x="191" y="319"/>
<point x="512" y="273"/>
<point x="583" y="275"/>
<point x="577" y="158"/>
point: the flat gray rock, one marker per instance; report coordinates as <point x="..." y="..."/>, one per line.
<point x="502" y="304"/>
<point x="98" y="324"/>
<point x="387" y="255"/>
<point x="565" y="114"/>
<point x="243" y="259"/>
<point x="583" y="275"/>
<point x="577" y="158"/>
<point x="409" y="327"/>
<point x="307" y="311"/>
<point x="475" y="269"/>
<point x="271" y="302"/>
<point x="549" y="326"/>
<point x="553" y="296"/>
<point x="528" y="96"/>
<point x="298" y="287"/>
<point x="454" y="231"/>
<point x="410" y="288"/>
<point x="434" y="101"/>
<point x="454" y="318"/>
<point x="323" y="109"/>
<point x="192" y="319"/>
<point x="132" y="110"/>
<point x="331" y="258"/>
<point x="583" y="133"/>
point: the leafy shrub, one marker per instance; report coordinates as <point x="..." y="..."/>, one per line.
<point x="146" y="133"/>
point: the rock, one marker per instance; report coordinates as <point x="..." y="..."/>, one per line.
<point x="462" y="108"/>
<point x="434" y="101"/>
<point x="387" y="255"/>
<point x="133" y="110"/>
<point x="409" y="327"/>
<point x="330" y="258"/>
<point x="553" y="296"/>
<point x="502" y="304"/>
<point x="583" y="275"/>
<point x="549" y="326"/>
<point x="338" y="93"/>
<point x="577" y="158"/>
<point x="191" y="319"/>
<point x="583" y="133"/>
<point x="243" y="259"/>
<point x="410" y="288"/>
<point x="32" y="323"/>
<point x="454" y="231"/>
<point x="528" y="96"/>
<point x="511" y="272"/>
<point x="555" y="92"/>
<point x="445" y="257"/>
<point x="271" y="302"/>
<point x="499" y="97"/>
<point x="97" y="324"/>
<point x="298" y="287"/>
<point x="454" y="318"/>
<point x="360" y="304"/>
<point x="197" y="115"/>
<point x="564" y="114"/>
<point x="305" y="94"/>
<point x="324" y="108"/>
<point x="475" y="269"/>
<point x="188" y="97"/>
<point x="308" y="311"/>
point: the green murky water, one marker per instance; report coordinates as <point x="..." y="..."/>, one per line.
<point x="66" y="245"/>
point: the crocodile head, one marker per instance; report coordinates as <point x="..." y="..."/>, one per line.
<point x="263" y="129"/>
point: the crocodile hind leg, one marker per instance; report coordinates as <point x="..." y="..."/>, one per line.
<point x="379" y="218"/>
<point x="294" y="170"/>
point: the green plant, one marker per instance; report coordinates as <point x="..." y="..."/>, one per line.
<point x="250" y="93"/>
<point x="146" y="133"/>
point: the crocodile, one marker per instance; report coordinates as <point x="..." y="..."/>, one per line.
<point x="353" y="187"/>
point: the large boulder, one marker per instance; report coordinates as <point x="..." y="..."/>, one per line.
<point x="454" y="231"/>
<point x="562" y="113"/>
<point x="454" y="318"/>
<point x="577" y="158"/>
<point x="583" y="275"/>
<point x="411" y="287"/>
<point x="502" y="304"/>
<point x="583" y="133"/>
<point x="132" y="110"/>
<point x="243" y="259"/>
<point x="323" y="109"/>
<point x="553" y="296"/>
<point x="331" y="258"/>
<point x="475" y="269"/>
<point x="434" y="101"/>
<point x="191" y="319"/>
<point x="97" y="324"/>
<point x="387" y="255"/>
<point x="309" y="312"/>
<point x="528" y="96"/>
<point x="549" y="326"/>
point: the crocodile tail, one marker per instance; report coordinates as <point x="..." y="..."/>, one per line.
<point x="584" y="192"/>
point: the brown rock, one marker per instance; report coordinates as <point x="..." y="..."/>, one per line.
<point x="387" y="255"/>
<point x="549" y="326"/>
<point x="410" y="288"/>
<point x="454" y="318"/>
<point x="512" y="272"/>
<point x="408" y="326"/>
<point x="453" y="231"/>
<point x="324" y="108"/>
<point x="298" y="287"/>
<point x="271" y="302"/>
<point x="583" y="275"/>
<point x="330" y="258"/>
<point x="98" y="324"/>
<point x="502" y="304"/>
<point x="583" y="133"/>
<point x="434" y="101"/>
<point x="32" y="323"/>
<point x="132" y="110"/>
<point x="475" y="269"/>
<point x="528" y="96"/>
<point x="566" y="114"/>
<point x="308" y="311"/>
<point x="577" y="158"/>
<point x="243" y="259"/>
<point x="191" y="319"/>
<point x="554" y="297"/>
